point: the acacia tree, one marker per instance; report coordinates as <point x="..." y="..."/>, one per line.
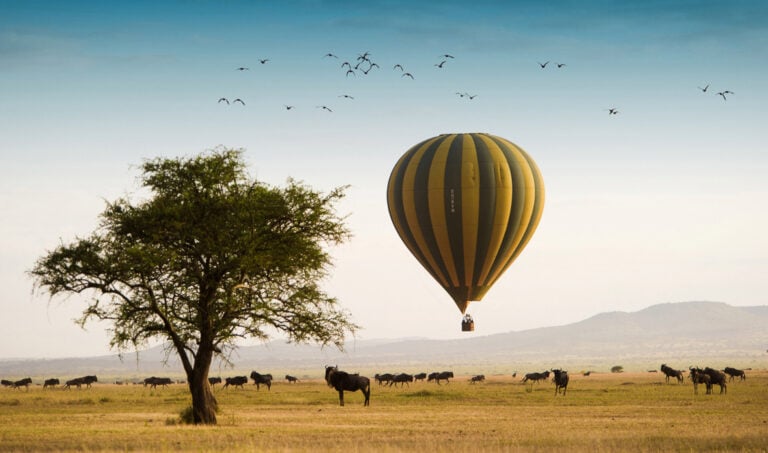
<point x="211" y="256"/>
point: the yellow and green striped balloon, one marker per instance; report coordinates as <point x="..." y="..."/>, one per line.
<point x="465" y="205"/>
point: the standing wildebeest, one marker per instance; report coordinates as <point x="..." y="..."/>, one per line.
<point x="22" y="383"/>
<point x="717" y="378"/>
<point x="733" y="372"/>
<point x="561" y="381"/>
<point x="291" y="379"/>
<point x="6" y="383"/>
<point x="214" y="380"/>
<point x="341" y="380"/>
<point x="477" y="378"/>
<point x="383" y="378"/>
<point x="153" y="381"/>
<point x="259" y="379"/>
<point x="671" y="372"/>
<point x="419" y="376"/>
<point x="699" y="377"/>
<point x="235" y="381"/>
<point x="441" y="376"/>
<point x="536" y="377"/>
<point x="51" y="383"/>
<point x="401" y="379"/>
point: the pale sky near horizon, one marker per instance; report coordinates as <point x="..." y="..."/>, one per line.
<point x="663" y="202"/>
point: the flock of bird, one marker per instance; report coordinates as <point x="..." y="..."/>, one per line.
<point x="363" y="65"/>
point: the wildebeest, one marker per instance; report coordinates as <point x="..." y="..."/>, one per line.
<point x="22" y="383"/>
<point x="477" y="378"/>
<point x="383" y="378"/>
<point x="671" y="372"/>
<point x="235" y="381"/>
<point x="699" y="377"/>
<point x="401" y="379"/>
<point x="214" y="380"/>
<point x="441" y="376"/>
<point x="6" y="383"/>
<point x="291" y="379"/>
<point x="733" y="372"/>
<point x="717" y="378"/>
<point x="259" y="379"/>
<point x="153" y="381"/>
<point x="536" y="377"/>
<point x="84" y="380"/>
<point x="341" y="380"/>
<point x="53" y="382"/>
<point x="560" y="380"/>
<point x="419" y="376"/>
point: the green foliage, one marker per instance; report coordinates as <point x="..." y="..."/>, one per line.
<point x="209" y="257"/>
<point x="617" y="369"/>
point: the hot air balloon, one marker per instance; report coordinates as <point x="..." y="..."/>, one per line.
<point x="465" y="205"/>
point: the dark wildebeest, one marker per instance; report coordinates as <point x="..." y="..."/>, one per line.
<point x="717" y="378"/>
<point x="153" y="381"/>
<point x="401" y="379"/>
<point x="6" y="383"/>
<point x="699" y="377"/>
<point x="341" y="380"/>
<point x="259" y="379"/>
<point x="291" y="379"/>
<point x="214" y="380"/>
<point x="235" y="381"/>
<point x="477" y="378"/>
<point x="733" y="372"/>
<point x="53" y="382"/>
<point x="441" y="376"/>
<point x="671" y="372"/>
<point x="560" y="380"/>
<point x="383" y="378"/>
<point x="22" y="383"/>
<point x="536" y="377"/>
<point x="419" y="376"/>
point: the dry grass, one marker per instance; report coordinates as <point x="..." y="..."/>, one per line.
<point x="603" y="412"/>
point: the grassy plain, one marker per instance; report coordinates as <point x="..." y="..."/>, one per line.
<point x="601" y="413"/>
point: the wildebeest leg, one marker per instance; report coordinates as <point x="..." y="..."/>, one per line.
<point x="341" y="397"/>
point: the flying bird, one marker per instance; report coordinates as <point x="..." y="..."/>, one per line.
<point x="612" y="111"/>
<point x="238" y="100"/>
<point x="363" y="56"/>
<point x="349" y="71"/>
<point x="543" y="65"/>
<point x="723" y="93"/>
<point x="560" y="65"/>
<point x="461" y="95"/>
<point x="288" y="107"/>
<point x="397" y="66"/>
<point x="346" y="96"/>
<point x="223" y="100"/>
<point x="446" y="56"/>
<point x="440" y="65"/>
<point x="324" y="108"/>
<point x="346" y="63"/>
<point x="263" y="61"/>
<point x="330" y="55"/>
<point x="704" y="90"/>
<point x="471" y="96"/>
<point x="407" y="74"/>
<point x="243" y="69"/>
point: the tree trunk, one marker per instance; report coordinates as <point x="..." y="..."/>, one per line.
<point x="204" y="405"/>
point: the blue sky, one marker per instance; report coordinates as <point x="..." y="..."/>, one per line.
<point x="663" y="202"/>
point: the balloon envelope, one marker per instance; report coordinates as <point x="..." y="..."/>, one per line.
<point x="465" y="205"/>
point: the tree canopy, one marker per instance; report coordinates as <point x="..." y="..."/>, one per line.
<point x="209" y="257"/>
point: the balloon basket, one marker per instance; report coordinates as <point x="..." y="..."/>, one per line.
<point x="467" y="325"/>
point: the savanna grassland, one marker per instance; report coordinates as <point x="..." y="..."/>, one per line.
<point x="601" y="412"/>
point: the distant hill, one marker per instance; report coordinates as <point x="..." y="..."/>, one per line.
<point x="680" y="334"/>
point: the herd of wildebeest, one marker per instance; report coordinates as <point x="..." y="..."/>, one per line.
<point x="342" y="381"/>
